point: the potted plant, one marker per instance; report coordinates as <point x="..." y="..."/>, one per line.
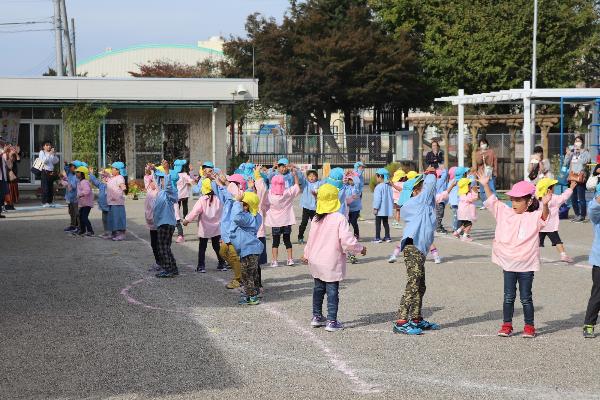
<point x="134" y="190"/>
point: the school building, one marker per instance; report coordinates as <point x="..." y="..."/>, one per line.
<point x="150" y="118"/>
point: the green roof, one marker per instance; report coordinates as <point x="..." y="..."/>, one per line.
<point x="150" y="46"/>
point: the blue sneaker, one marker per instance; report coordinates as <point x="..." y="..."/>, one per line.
<point x="166" y="274"/>
<point x="253" y="300"/>
<point x="244" y="300"/>
<point x="334" y="326"/>
<point x="427" y="326"/>
<point x="318" y="321"/>
<point x="409" y="328"/>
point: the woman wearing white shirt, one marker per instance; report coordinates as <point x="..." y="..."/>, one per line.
<point x="48" y="156"/>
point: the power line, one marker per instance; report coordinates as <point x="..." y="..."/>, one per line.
<point x="27" y="30"/>
<point x="24" y="23"/>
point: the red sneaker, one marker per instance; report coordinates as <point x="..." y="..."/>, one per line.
<point x="506" y="329"/>
<point x="529" y="331"/>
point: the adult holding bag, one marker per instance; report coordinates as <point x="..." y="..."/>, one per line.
<point x="576" y="159"/>
<point x="47" y="176"/>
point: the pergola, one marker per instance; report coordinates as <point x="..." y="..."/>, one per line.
<point x="527" y="97"/>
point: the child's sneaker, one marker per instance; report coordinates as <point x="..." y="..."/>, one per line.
<point x="274" y="264"/>
<point x="352" y="258"/>
<point x="387" y="240"/>
<point x="334" y="326"/>
<point x="565" y="258"/>
<point x="253" y="300"/>
<point x="90" y="234"/>
<point x="427" y="326"/>
<point x="392" y="259"/>
<point x="528" y="331"/>
<point x="290" y="262"/>
<point x="201" y="269"/>
<point x="222" y="267"/>
<point x="407" y="328"/>
<point x="377" y="240"/>
<point x="155" y="268"/>
<point x="244" y="300"/>
<point x="180" y="239"/>
<point x="456" y="234"/>
<point x="166" y="274"/>
<point x="300" y="241"/>
<point x="437" y="259"/>
<point x="588" y="331"/>
<point x="506" y="329"/>
<point x="466" y="238"/>
<point x="318" y="321"/>
<point x="68" y="229"/>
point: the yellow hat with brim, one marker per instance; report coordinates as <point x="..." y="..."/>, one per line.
<point x="411" y="174"/>
<point x="206" y="186"/>
<point x="463" y="185"/>
<point x="399" y="174"/>
<point x="251" y="200"/>
<point x="541" y="188"/>
<point x="327" y="199"/>
<point x="85" y="170"/>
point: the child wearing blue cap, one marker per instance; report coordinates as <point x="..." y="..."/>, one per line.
<point x="383" y="205"/>
<point x="115" y="197"/>
<point x="69" y="181"/>
<point x="164" y="219"/>
<point x="308" y="202"/>
<point x="593" y="307"/>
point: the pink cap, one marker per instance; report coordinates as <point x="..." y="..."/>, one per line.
<point x="277" y="185"/>
<point x="451" y="172"/>
<point x="239" y="179"/>
<point x="522" y="189"/>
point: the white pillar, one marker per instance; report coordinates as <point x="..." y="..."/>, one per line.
<point x="214" y="135"/>
<point x="461" y="131"/>
<point x="526" y="128"/>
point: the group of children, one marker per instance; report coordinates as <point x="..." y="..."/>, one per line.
<point x="233" y="212"/>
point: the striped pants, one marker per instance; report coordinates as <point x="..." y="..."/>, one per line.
<point x="164" y="240"/>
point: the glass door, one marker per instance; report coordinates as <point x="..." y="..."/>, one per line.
<point x="50" y="132"/>
<point x="24" y="142"/>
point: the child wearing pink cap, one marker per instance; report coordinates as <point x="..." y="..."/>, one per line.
<point x="280" y="216"/>
<point x="151" y="192"/>
<point x="516" y="246"/>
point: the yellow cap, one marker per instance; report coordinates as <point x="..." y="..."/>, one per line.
<point x="399" y="174"/>
<point x="160" y="168"/>
<point x="463" y="185"/>
<point x="542" y="186"/>
<point x="108" y="170"/>
<point x="206" y="186"/>
<point x="411" y="174"/>
<point x="327" y="199"/>
<point x="251" y="200"/>
<point x="85" y="170"/>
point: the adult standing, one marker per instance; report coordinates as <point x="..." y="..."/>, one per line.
<point x="435" y="157"/>
<point x="576" y="159"/>
<point x="539" y="167"/>
<point x="49" y="158"/>
<point x="487" y="164"/>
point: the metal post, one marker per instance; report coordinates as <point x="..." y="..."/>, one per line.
<point x="461" y="131"/>
<point x="104" y="143"/>
<point x="58" y="39"/>
<point x="562" y="132"/>
<point x="534" y="64"/>
<point x="73" y="48"/>
<point x="526" y="128"/>
<point x="214" y="134"/>
<point x="67" y="37"/>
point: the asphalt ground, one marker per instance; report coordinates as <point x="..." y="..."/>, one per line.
<point x="81" y="318"/>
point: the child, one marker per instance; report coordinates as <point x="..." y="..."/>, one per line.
<point x="467" y="212"/>
<point x="115" y="198"/>
<point x="455" y="174"/>
<point x="163" y="216"/>
<point x="418" y="203"/>
<point x="207" y="212"/>
<point x="546" y="185"/>
<point x="440" y="206"/>
<point x="397" y="180"/>
<point x="69" y="181"/>
<point x="382" y="205"/>
<point x="85" y="202"/>
<point x="245" y="223"/>
<point x="516" y="246"/>
<point x="280" y="216"/>
<point x="355" y="206"/>
<point x="102" y="202"/>
<point x="308" y="202"/>
<point x="262" y="191"/>
<point x="329" y="239"/>
<point x="151" y="192"/>
<point x="184" y="186"/>
<point x="593" y="307"/>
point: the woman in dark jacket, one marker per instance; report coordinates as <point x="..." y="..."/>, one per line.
<point x="435" y="157"/>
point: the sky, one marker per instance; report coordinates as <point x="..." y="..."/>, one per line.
<point x="102" y="24"/>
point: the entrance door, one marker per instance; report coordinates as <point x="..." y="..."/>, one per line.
<point x="24" y="142"/>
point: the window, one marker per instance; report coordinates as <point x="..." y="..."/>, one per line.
<point x="158" y="141"/>
<point x="115" y="143"/>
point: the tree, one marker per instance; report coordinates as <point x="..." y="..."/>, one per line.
<point x="83" y="122"/>
<point x="325" y="56"/>
<point x="207" y="68"/>
<point x="485" y="45"/>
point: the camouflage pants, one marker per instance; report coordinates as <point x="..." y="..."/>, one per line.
<point x="412" y="301"/>
<point x="250" y="274"/>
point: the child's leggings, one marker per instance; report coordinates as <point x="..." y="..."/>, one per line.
<point x="591" y="315"/>
<point x="353" y="219"/>
<point x="182" y="203"/>
<point x="454" y="218"/>
<point x="154" y="245"/>
<point x="250" y="274"/>
<point x="216" y="245"/>
<point x="165" y="238"/>
<point x="286" y="231"/>
<point x="386" y="226"/>
<point x="412" y="300"/>
<point x="84" y="220"/>
<point x="439" y="215"/>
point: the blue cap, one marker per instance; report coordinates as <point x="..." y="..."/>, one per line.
<point x="385" y="173"/>
<point x="217" y="170"/>
<point x="283" y="161"/>
<point x="337" y="174"/>
<point x="78" y="164"/>
<point x="208" y="164"/>
<point x="459" y="172"/>
<point x="358" y="164"/>
<point x="338" y="183"/>
<point x="118" y="165"/>
<point x="180" y="162"/>
<point x="250" y="166"/>
<point x="407" y="189"/>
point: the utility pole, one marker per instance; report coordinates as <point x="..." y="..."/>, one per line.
<point x="73" y="48"/>
<point x="534" y="66"/>
<point x="58" y="39"/>
<point x="67" y="37"/>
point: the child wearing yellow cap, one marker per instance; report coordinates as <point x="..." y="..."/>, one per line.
<point x="397" y="180"/>
<point x="329" y="241"/>
<point x="546" y="185"/>
<point x="468" y="193"/>
<point x="245" y="221"/>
